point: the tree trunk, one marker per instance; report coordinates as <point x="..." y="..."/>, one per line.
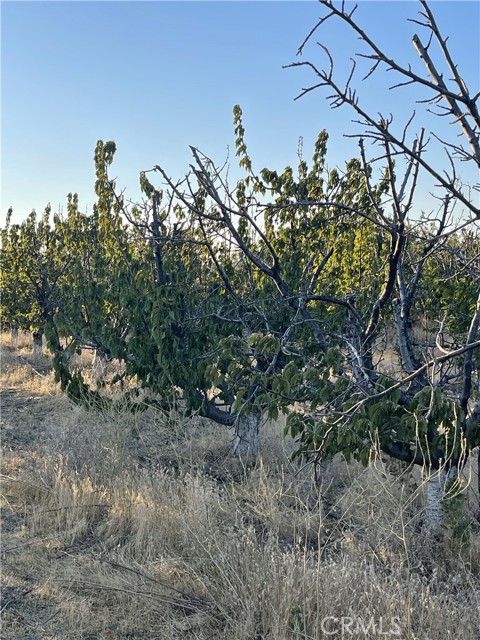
<point x="404" y="337"/>
<point x="38" y="342"/>
<point x="438" y="483"/>
<point x="247" y="435"/>
<point x="13" y="334"/>
<point x="100" y="362"/>
<point x="478" y="477"/>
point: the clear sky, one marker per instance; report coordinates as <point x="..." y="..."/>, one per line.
<point x="159" y="76"/>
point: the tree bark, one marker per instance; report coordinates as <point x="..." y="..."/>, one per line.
<point x="100" y="362"/>
<point x="247" y="435"/>
<point x="38" y="342"/>
<point x="437" y="484"/>
<point x="13" y="335"/>
<point x="404" y="339"/>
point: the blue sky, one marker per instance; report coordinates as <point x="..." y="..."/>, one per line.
<point x="159" y="76"/>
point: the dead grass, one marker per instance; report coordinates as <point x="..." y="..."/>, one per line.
<point x="142" y="526"/>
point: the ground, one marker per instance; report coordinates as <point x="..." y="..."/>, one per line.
<point x="143" y="526"/>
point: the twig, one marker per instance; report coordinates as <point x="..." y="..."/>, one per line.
<point x="25" y="361"/>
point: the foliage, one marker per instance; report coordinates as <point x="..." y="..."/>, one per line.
<point x="282" y="293"/>
<point x="33" y="266"/>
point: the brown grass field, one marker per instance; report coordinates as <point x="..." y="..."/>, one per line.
<point x="143" y="526"/>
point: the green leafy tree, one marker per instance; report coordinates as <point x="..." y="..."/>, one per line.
<point x="14" y="301"/>
<point x="143" y="290"/>
<point x="371" y="265"/>
<point x="334" y="273"/>
<point x="166" y="290"/>
<point x="32" y="266"/>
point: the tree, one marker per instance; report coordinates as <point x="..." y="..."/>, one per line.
<point x="171" y="296"/>
<point x="142" y="291"/>
<point x="14" y="299"/>
<point x="451" y="98"/>
<point x="369" y="263"/>
<point x="32" y="267"/>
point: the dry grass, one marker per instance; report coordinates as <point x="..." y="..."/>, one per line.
<point x="142" y="526"/>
